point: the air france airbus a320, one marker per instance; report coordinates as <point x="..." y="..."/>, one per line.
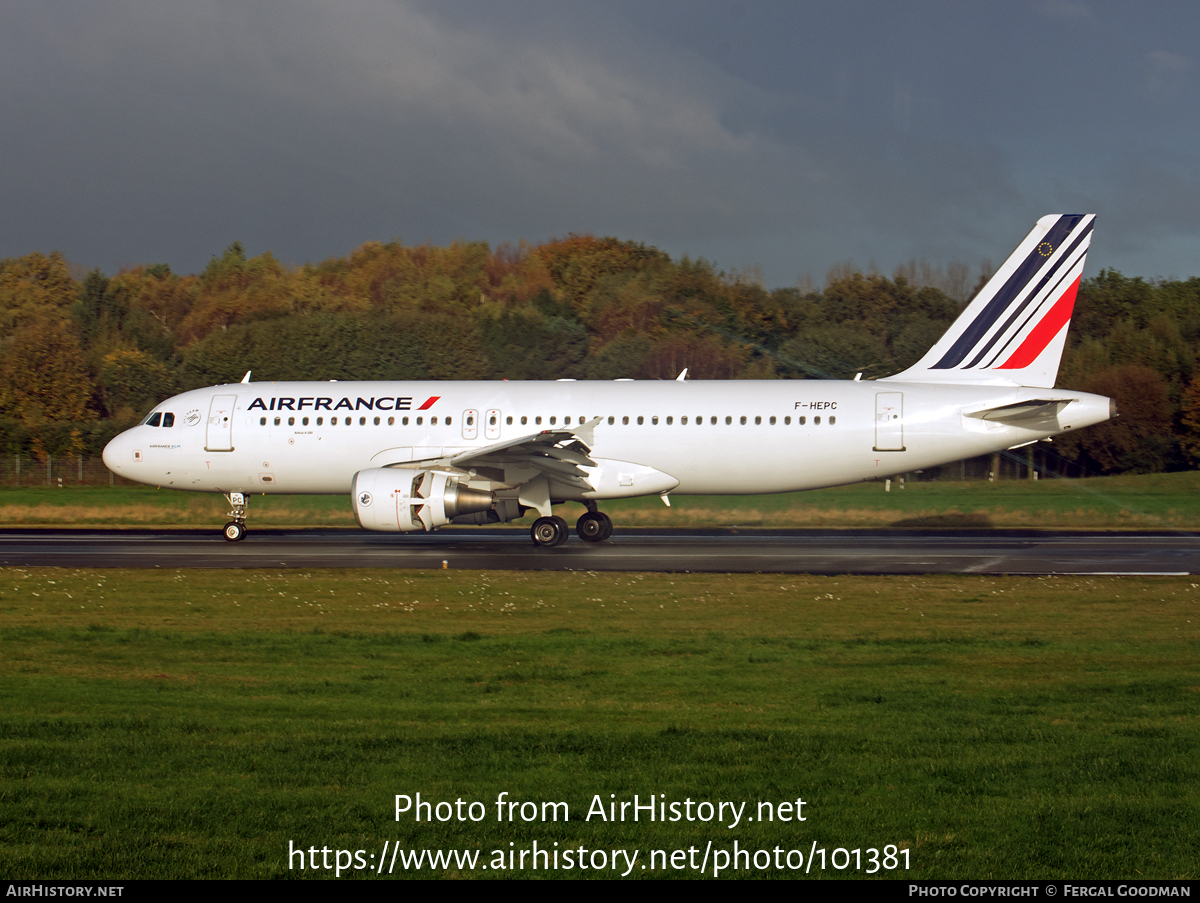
<point x="415" y="456"/>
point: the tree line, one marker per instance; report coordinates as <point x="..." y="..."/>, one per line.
<point x="82" y="359"/>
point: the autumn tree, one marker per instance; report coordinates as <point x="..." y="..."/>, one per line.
<point x="1139" y="440"/>
<point x="133" y="381"/>
<point x="33" y="286"/>
<point x="43" y="380"/>
<point x="1190" y="423"/>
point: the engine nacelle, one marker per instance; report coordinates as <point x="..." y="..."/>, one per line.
<point x="394" y="500"/>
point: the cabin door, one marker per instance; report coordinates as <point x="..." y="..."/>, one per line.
<point x="889" y="421"/>
<point x="220" y="423"/>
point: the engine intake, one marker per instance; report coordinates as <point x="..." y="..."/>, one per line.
<point x="397" y="500"/>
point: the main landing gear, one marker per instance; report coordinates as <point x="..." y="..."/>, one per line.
<point x="594" y="526"/>
<point x="235" y="530"/>
<point x="549" y="531"/>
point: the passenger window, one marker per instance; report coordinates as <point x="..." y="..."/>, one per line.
<point x="654" y="420"/>
<point x="508" y="420"/>
<point x="404" y="421"/>
<point x="362" y="421"/>
<point x="391" y="421"/>
<point x="262" y="421"/>
<point x="641" y="420"/>
<point x="743" y="420"/>
<point x="155" y="419"/>
<point x="714" y="421"/>
<point x="277" y="421"/>
<point x="420" y="420"/>
<point x="787" y="421"/>
<point x="670" y="420"/>
<point x="304" y="422"/>
<point x="566" y="421"/>
<point x="377" y="421"/>
<point x="320" y="420"/>
<point x="470" y="420"/>
<point x="802" y="420"/>
<point x="291" y="421"/>
<point x="447" y="421"/>
<point x="832" y="421"/>
<point x="553" y="420"/>
<point x="524" y="420"/>
<point x="683" y="419"/>
<point x="332" y="421"/>
<point x="625" y="421"/>
<point x="612" y="420"/>
<point x="537" y="421"/>
<point x="817" y="420"/>
<point x="758" y="421"/>
<point x="772" y="421"/>
<point x="728" y="421"/>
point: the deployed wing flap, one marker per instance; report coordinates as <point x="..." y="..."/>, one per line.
<point x="557" y="454"/>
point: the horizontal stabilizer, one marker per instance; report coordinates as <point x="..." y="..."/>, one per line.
<point x="1035" y="414"/>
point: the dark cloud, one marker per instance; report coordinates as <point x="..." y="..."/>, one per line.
<point x="788" y="135"/>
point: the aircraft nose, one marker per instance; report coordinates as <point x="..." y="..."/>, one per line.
<point x="112" y="454"/>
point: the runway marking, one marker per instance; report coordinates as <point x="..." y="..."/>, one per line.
<point x="1124" y="573"/>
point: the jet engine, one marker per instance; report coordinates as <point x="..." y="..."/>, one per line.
<point x="398" y="500"/>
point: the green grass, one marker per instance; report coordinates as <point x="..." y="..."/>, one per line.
<point x="1151" y="501"/>
<point x="193" y="723"/>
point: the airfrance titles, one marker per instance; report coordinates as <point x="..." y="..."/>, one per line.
<point x="318" y="403"/>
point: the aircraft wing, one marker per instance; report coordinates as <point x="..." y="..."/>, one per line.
<point x="556" y="454"/>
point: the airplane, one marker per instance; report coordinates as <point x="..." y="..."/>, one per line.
<point x="418" y="455"/>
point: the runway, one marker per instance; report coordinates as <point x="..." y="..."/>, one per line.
<point x="630" y="549"/>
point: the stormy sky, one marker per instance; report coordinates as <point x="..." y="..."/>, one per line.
<point x="789" y="136"/>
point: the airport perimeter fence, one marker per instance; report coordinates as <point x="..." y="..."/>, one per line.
<point x="68" y="471"/>
<point x="58" y="471"/>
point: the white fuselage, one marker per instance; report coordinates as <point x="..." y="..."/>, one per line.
<point x="698" y="437"/>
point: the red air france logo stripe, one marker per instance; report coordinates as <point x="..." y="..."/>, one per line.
<point x="1051" y="324"/>
<point x="429" y="403"/>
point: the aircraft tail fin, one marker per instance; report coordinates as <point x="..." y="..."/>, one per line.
<point x="1014" y="330"/>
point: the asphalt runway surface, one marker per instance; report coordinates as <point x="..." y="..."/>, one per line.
<point x="630" y="549"/>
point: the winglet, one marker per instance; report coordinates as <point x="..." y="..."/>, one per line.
<point x="246" y="378"/>
<point x="682" y="377"/>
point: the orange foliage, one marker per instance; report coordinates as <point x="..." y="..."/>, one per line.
<point x="577" y="262"/>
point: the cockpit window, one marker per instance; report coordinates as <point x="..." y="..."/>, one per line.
<point x="155" y="419"/>
<point x="168" y="420"/>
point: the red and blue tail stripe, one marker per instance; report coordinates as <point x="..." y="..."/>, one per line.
<point x="1014" y="329"/>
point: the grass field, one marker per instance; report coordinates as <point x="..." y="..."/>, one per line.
<point x="194" y="723"/>
<point x="1151" y="501"/>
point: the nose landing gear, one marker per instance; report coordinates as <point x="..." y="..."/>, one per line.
<point x="235" y="530"/>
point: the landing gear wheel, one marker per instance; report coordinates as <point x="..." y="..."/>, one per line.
<point x="235" y="532"/>
<point x="549" y="531"/>
<point x="594" y="527"/>
<point x="563" y="530"/>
